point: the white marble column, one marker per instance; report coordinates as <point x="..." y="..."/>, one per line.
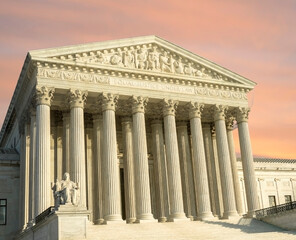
<point x="173" y="163"/>
<point x="186" y="171"/>
<point x="66" y="142"/>
<point x="90" y="166"/>
<point x="143" y="200"/>
<point x="98" y="181"/>
<point x="211" y="169"/>
<point x="42" y="186"/>
<point x="32" y="165"/>
<point x="128" y="163"/>
<point x="220" y="209"/>
<point x="224" y="163"/>
<point x="24" y="173"/>
<point x="77" y="100"/>
<point x="236" y="185"/>
<point x="111" y="194"/>
<point x="199" y="162"/>
<point x="247" y="160"/>
<point x="160" y="170"/>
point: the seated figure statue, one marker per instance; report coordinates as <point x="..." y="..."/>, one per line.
<point x="65" y="191"/>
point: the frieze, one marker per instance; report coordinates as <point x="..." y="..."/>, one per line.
<point x="203" y="90"/>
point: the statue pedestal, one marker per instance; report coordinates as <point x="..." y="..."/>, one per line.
<point x="66" y="222"/>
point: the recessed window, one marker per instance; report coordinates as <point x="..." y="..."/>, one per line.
<point x="3" y="211"/>
<point x="288" y="198"/>
<point x="272" y="201"/>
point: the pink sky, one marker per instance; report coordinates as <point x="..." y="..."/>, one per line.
<point x="256" y="39"/>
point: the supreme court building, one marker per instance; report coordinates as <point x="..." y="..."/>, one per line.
<point x="142" y="126"/>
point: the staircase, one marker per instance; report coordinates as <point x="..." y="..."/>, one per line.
<point x="236" y="229"/>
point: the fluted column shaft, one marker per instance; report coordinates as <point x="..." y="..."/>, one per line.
<point x="77" y="100"/>
<point x="128" y="162"/>
<point x="42" y="179"/>
<point x="66" y="142"/>
<point x="217" y="171"/>
<point x="236" y="185"/>
<point x="98" y="152"/>
<point x="32" y="164"/>
<point x="160" y="170"/>
<point x="112" y="205"/>
<point x="211" y="169"/>
<point x="186" y="171"/>
<point x="247" y="161"/>
<point x="199" y="162"/>
<point x="224" y="163"/>
<point x="143" y="200"/>
<point x="173" y="163"/>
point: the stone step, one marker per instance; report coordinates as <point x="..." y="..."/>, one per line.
<point x="234" y="229"/>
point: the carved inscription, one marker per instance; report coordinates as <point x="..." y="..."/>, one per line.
<point x="152" y="85"/>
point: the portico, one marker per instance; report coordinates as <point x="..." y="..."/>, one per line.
<point x="143" y="105"/>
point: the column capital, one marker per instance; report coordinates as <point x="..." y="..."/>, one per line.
<point x="242" y="114"/>
<point x="169" y="107"/>
<point x="109" y="101"/>
<point x="195" y="109"/>
<point x="219" y="112"/>
<point x="138" y="104"/>
<point x="230" y="123"/>
<point x="44" y="95"/>
<point x="77" y="98"/>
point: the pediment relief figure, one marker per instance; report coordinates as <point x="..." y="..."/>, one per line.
<point x="149" y="57"/>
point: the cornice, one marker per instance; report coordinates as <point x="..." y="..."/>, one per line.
<point x="138" y="42"/>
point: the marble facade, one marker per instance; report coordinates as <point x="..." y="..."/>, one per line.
<point x="143" y="126"/>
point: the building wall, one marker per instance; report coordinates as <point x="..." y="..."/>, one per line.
<point x="9" y="190"/>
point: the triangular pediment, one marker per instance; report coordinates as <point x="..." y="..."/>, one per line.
<point x="149" y="54"/>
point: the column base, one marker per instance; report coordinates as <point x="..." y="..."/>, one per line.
<point x="250" y="214"/>
<point x="162" y="219"/>
<point x="178" y="217"/>
<point x="131" y="220"/>
<point x="228" y="215"/>
<point x="146" y="217"/>
<point x="99" y="221"/>
<point x="205" y="216"/>
<point x="114" y="217"/>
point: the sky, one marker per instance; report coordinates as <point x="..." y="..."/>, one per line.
<point x="256" y="39"/>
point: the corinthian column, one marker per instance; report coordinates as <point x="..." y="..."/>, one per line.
<point x="98" y="152"/>
<point x="236" y="185"/>
<point x="224" y="163"/>
<point x="42" y="189"/>
<point x="143" y="202"/>
<point x="32" y="165"/>
<point x="199" y="162"/>
<point x="247" y="160"/>
<point x="186" y="171"/>
<point x="173" y="163"/>
<point x="128" y="163"/>
<point x="160" y="170"/>
<point x="77" y="100"/>
<point x="112" y="205"/>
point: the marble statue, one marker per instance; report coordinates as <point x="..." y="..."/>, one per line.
<point x="65" y="191"/>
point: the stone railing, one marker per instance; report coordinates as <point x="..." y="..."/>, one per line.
<point x="44" y="214"/>
<point x="275" y="210"/>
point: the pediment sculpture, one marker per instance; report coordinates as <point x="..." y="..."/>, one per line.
<point x="65" y="192"/>
<point x="151" y="57"/>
